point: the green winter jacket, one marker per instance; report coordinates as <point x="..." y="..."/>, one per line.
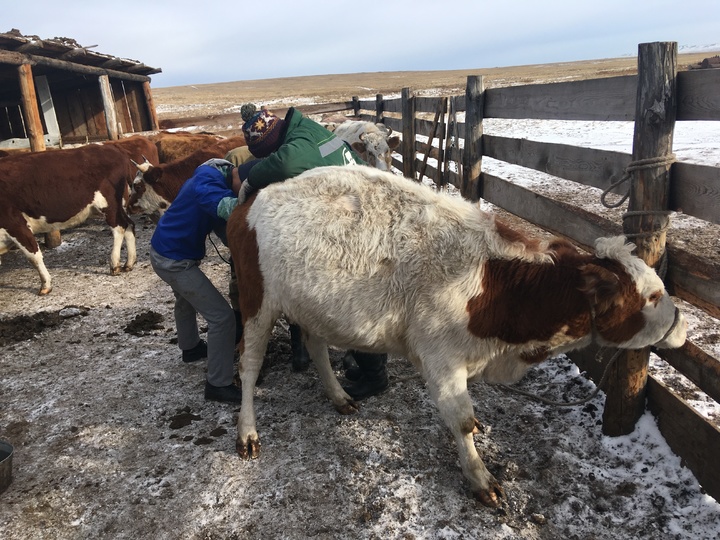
<point x="305" y="145"/>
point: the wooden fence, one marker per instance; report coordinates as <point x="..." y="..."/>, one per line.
<point x="654" y="99"/>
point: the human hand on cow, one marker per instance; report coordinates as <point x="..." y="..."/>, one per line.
<point x="244" y="192"/>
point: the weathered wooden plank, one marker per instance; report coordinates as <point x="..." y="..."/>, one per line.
<point x="408" y="134"/>
<point x="587" y="166"/>
<point x="698" y="366"/>
<point x="109" y="107"/>
<point x="560" y="218"/>
<point x="694" y="279"/>
<point x="16" y="58"/>
<point x="698" y="94"/>
<point x="393" y="105"/>
<point x="471" y="187"/>
<point x="425" y="104"/>
<point x="695" y="190"/>
<point x="33" y="124"/>
<point x="594" y="99"/>
<point x="688" y="434"/>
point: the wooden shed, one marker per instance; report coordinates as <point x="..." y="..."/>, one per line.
<point x="55" y="92"/>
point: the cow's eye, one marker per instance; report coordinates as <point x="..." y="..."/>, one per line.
<point x="655" y="297"/>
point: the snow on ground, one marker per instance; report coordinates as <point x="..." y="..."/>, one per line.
<point x="113" y="438"/>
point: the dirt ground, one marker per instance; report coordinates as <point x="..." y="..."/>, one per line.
<point x="113" y="438"/>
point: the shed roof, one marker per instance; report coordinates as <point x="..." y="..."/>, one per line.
<point x="69" y="50"/>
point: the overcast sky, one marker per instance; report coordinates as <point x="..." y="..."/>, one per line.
<point x="196" y="42"/>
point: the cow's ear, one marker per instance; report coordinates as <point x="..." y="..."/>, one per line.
<point x="600" y="285"/>
<point x="359" y="147"/>
<point x="153" y="175"/>
<point x="394" y="142"/>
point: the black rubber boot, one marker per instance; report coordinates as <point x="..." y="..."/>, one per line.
<point x="300" y="356"/>
<point x="352" y="370"/>
<point x="374" y="378"/>
<point x="238" y="326"/>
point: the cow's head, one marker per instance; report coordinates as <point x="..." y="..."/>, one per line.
<point x="376" y="147"/>
<point x="631" y="308"/>
<point x="144" y="198"/>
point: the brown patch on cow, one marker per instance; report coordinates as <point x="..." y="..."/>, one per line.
<point x="245" y="254"/>
<point x="512" y="236"/>
<point x="615" y="299"/>
<point x="535" y="357"/>
<point x="523" y="301"/>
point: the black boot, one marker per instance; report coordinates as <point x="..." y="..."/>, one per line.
<point x="374" y="378"/>
<point x="300" y="356"/>
<point x="238" y="326"/>
<point x="352" y="370"/>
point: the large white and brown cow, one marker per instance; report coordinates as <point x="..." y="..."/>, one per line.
<point x="393" y="266"/>
<point x="372" y="141"/>
<point x="46" y="191"/>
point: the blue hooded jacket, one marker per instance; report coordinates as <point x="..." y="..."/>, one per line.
<point x="183" y="228"/>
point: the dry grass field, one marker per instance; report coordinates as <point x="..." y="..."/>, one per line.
<point x="220" y="98"/>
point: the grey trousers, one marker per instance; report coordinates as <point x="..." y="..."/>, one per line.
<point x="195" y="293"/>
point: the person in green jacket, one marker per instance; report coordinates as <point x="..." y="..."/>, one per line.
<point x="285" y="148"/>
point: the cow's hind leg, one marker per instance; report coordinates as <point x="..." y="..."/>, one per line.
<point x="27" y="243"/>
<point x="449" y="391"/>
<point x="118" y="235"/>
<point x="318" y="351"/>
<point x="256" y="333"/>
<point x="131" y="247"/>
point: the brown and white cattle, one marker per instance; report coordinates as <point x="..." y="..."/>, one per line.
<point x="173" y="146"/>
<point x="154" y="188"/>
<point x="393" y="266"/>
<point x="46" y="191"/>
<point x="372" y="141"/>
<point x="139" y="148"/>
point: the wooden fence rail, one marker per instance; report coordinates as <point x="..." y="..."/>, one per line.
<point x="692" y="189"/>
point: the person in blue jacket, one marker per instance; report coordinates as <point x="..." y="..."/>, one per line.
<point x="203" y="205"/>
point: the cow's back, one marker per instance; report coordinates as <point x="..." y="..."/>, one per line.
<point x="382" y="247"/>
<point x="58" y="185"/>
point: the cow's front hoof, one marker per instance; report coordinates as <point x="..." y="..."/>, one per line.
<point x="127" y="268"/>
<point x="249" y="449"/>
<point x="115" y="271"/>
<point x="490" y="497"/>
<point x="348" y="407"/>
<point x="44" y="291"/>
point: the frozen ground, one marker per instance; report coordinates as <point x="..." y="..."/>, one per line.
<point x="113" y="438"/>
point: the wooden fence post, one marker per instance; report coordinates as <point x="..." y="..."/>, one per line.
<point x="655" y="111"/>
<point x="356" y="105"/>
<point x="408" y="134"/>
<point x="470" y="187"/>
<point x="379" y="108"/>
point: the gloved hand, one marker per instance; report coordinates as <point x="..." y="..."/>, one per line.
<point x="245" y="191"/>
<point x="222" y="165"/>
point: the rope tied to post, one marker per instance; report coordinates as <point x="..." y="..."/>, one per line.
<point x="641" y="164"/>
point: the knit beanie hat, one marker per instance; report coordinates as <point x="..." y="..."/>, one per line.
<point x="262" y="130"/>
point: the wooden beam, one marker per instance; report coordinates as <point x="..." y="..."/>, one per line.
<point x="154" y="124"/>
<point x="31" y="112"/>
<point x="471" y="188"/>
<point x="408" y="133"/>
<point x="109" y="108"/>
<point x="649" y="192"/>
<point x="15" y="58"/>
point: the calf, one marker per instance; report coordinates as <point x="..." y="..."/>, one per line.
<point x="45" y="191"/>
<point x="154" y="188"/>
<point x="393" y="266"/>
<point x="372" y="141"/>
